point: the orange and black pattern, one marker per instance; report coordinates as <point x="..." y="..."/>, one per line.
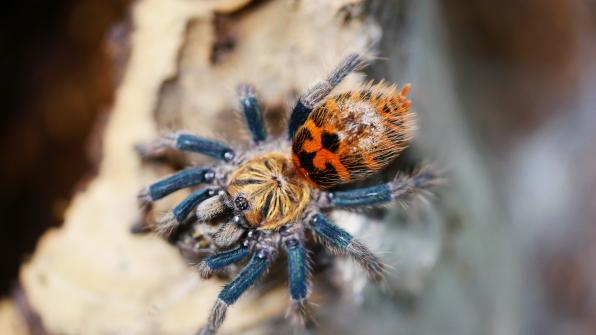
<point x="353" y="135"/>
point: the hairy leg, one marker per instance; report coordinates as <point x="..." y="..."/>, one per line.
<point x="341" y="242"/>
<point x="186" y="142"/>
<point x="178" y="215"/>
<point x="233" y="290"/>
<point x="319" y="91"/>
<point x="182" y="179"/>
<point x="220" y="260"/>
<point x="252" y="113"/>
<point x="299" y="277"/>
<point x="401" y="188"/>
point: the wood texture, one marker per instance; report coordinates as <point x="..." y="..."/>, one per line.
<point x="92" y="276"/>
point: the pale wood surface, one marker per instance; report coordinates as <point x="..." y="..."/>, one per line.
<point x="91" y="276"/>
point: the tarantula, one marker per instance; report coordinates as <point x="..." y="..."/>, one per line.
<point x="277" y="193"/>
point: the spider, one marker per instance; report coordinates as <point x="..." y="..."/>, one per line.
<point x="277" y="195"/>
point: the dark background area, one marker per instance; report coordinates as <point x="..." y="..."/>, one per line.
<point x="57" y="79"/>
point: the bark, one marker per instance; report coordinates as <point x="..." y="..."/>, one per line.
<point x="91" y="276"/>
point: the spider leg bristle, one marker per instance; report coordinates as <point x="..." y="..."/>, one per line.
<point x="417" y="183"/>
<point x="256" y="267"/>
<point x="373" y="266"/>
<point x="156" y="149"/>
<point x="352" y="62"/>
<point x="166" y="225"/>
<point x="204" y="270"/>
<point x="341" y="242"/>
<point x="319" y="91"/>
<point x="299" y="275"/>
<point x="216" y="318"/>
<point x="402" y="188"/>
<point x="301" y="313"/>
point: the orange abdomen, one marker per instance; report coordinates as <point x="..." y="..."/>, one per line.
<point x="353" y="135"/>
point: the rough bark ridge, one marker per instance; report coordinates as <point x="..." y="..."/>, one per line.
<point x="92" y="276"/>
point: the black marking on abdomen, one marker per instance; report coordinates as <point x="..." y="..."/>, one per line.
<point x="317" y="118"/>
<point x="386" y="109"/>
<point x="330" y="141"/>
<point x="326" y="176"/>
<point x="301" y="136"/>
<point x="306" y="160"/>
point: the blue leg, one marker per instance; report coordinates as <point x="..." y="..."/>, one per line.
<point x="317" y="93"/>
<point x="298" y="272"/>
<point x="367" y="196"/>
<point x="341" y="242"/>
<point x="183" y="179"/>
<point x="217" y="150"/>
<point x="233" y="290"/>
<point x="220" y="260"/>
<point x="180" y="213"/>
<point x="402" y="187"/>
<point x="252" y="113"/>
<point x="186" y="142"/>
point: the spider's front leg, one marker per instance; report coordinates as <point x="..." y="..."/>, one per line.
<point x="319" y="91"/>
<point x="182" y="179"/>
<point x="178" y="215"/>
<point x="402" y="187"/>
<point x="181" y="141"/>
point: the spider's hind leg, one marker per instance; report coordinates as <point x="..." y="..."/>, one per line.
<point x="319" y="91"/>
<point x="182" y="179"/>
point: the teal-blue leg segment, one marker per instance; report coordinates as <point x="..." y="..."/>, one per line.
<point x="340" y="241"/>
<point x="252" y="113"/>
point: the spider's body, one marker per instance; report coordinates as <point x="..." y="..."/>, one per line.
<point x="268" y="191"/>
<point x="271" y="195"/>
<point x="353" y="135"/>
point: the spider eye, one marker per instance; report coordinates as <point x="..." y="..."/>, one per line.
<point x="241" y="203"/>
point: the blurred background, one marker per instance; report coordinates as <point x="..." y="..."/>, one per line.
<point x="506" y="96"/>
<point x="60" y="80"/>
